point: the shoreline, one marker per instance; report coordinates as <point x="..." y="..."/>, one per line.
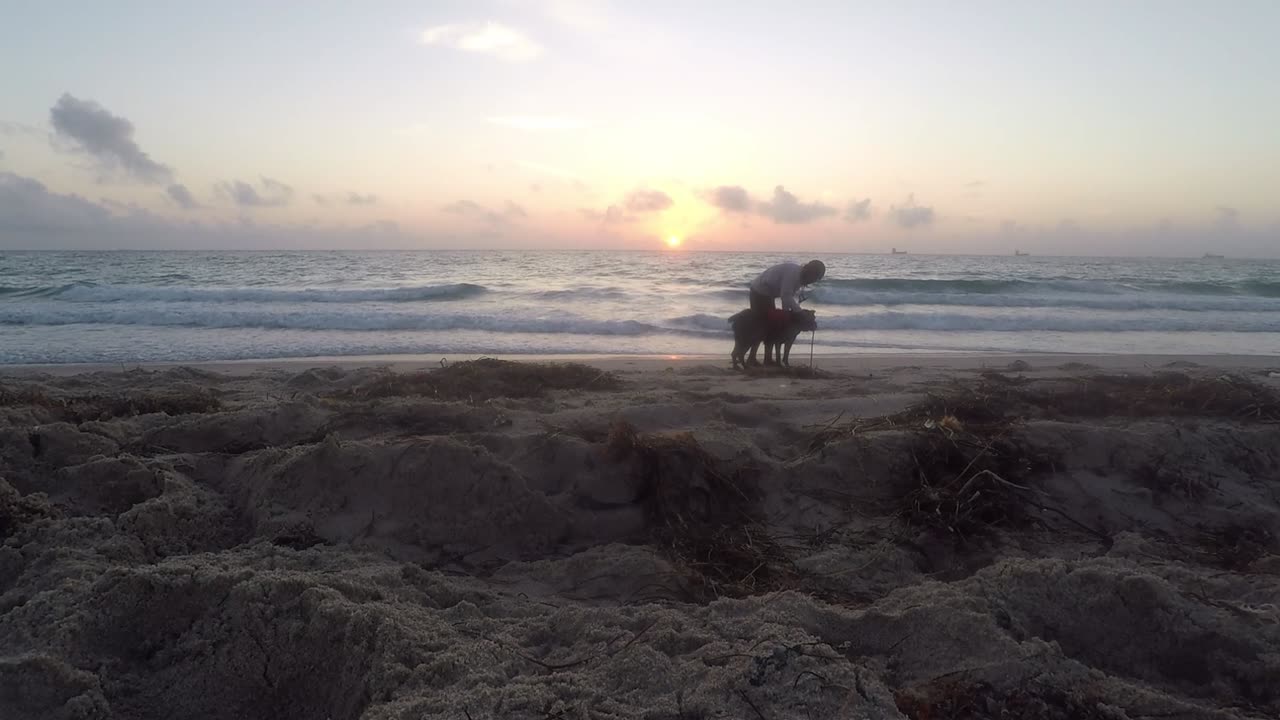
<point x="839" y="363"/>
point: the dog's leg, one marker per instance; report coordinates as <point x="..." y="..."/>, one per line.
<point x="786" y="357"/>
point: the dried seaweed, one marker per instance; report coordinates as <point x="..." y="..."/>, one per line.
<point x="486" y="378"/>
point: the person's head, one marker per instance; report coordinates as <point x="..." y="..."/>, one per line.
<point x="812" y="272"/>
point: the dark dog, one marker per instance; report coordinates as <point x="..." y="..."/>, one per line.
<point x="776" y="328"/>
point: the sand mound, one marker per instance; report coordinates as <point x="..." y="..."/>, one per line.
<point x="487" y="378"/>
<point x="435" y="495"/>
<point x="497" y="541"/>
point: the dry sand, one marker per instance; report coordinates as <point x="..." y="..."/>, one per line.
<point x="892" y="537"/>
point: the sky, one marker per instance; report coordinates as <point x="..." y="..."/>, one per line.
<point x="1145" y="127"/>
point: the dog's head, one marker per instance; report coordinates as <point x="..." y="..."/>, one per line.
<point x="804" y="320"/>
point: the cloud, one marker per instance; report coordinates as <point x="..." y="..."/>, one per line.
<point x="612" y="215"/>
<point x="911" y="215"/>
<point x="787" y="209"/>
<point x="181" y="196"/>
<point x="107" y="138"/>
<point x="273" y="194"/>
<point x="348" y="198"/>
<point x="475" y="211"/>
<point x="633" y="206"/>
<point x="647" y="201"/>
<point x="14" y="129"/>
<point x="730" y="198"/>
<point x="27" y="206"/>
<point x="489" y="38"/>
<point x="858" y="210"/>
<point x="34" y="217"/>
<point x="537" y="122"/>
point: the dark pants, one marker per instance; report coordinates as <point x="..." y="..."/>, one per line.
<point x="760" y="305"/>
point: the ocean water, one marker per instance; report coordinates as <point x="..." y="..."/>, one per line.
<point x="70" y="307"/>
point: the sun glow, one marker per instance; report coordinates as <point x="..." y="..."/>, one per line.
<point x="673" y="241"/>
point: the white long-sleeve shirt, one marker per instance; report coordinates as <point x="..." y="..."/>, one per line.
<point x="780" y="281"/>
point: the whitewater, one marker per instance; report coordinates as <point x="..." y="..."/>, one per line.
<point x="81" y="307"/>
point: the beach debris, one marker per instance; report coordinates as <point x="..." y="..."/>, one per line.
<point x="705" y="518"/>
<point x="486" y="378"/>
<point x="82" y="407"/>
<point x="999" y="399"/>
<point x="1236" y="547"/>
<point x="958" y="487"/>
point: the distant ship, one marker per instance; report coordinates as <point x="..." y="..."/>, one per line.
<point x="1019" y="253"/>
<point x="1211" y="256"/>
<point x="896" y="251"/>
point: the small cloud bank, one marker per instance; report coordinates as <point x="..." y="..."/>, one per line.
<point x="611" y="215"/>
<point x="730" y="198"/>
<point x="636" y="204"/>
<point x="182" y="197"/>
<point x="490" y="38"/>
<point x="16" y="129"/>
<point x="348" y="198"/>
<point x="647" y="201"/>
<point x="268" y="193"/>
<point x="472" y="210"/>
<point x="91" y="129"/>
<point x="26" y="205"/>
<point x="785" y="208"/>
<point x="911" y="214"/>
<point x="34" y="217"/>
<point x="858" y="211"/>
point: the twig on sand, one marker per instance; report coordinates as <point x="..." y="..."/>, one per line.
<point x="1092" y="531"/>
<point x="743" y="694"/>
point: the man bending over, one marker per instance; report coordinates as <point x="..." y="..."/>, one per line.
<point x="784" y="281"/>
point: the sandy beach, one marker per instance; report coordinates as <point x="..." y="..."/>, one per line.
<point x="885" y="536"/>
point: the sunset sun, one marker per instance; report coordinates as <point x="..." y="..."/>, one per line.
<point x="673" y="241"/>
